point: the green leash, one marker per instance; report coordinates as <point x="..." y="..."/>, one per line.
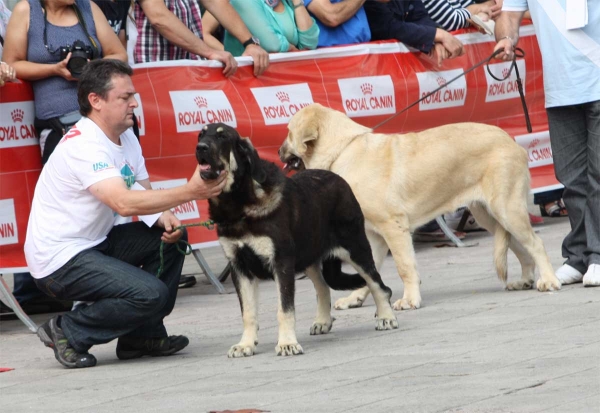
<point x="188" y="248"/>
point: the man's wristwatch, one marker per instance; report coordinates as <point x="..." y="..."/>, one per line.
<point x="252" y="40"/>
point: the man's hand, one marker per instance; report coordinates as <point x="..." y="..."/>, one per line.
<point x="453" y="46"/>
<point x="259" y="56"/>
<point x="227" y="59"/>
<point x="202" y="189"/>
<point x="506" y="45"/>
<point x="168" y="221"/>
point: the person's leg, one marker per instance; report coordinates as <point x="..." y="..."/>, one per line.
<point x="24" y="288"/>
<point x="569" y="140"/>
<point x="592" y="209"/>
<point x="139" y="245"/>
<point x="124" y="296"/>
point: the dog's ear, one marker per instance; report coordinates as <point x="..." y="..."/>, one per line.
<point x="247" y="149"/>
<point x="305" y="126"/>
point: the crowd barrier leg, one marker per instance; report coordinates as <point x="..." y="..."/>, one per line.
<point x="208" y="272"/>
<point x="14" y="304"/>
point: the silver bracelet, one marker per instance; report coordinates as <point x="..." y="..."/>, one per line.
<point x="301" y="4"/>
<point x="512" y="41"/>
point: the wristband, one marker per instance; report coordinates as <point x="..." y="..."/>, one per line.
<point x="301" y="4"/>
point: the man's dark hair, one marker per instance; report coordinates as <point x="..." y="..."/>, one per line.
<point x="97" y="78"/>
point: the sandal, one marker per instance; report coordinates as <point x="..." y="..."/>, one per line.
<point x="554" y="209"/>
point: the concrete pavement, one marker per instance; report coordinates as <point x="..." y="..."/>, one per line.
<point x="472" y="347"/>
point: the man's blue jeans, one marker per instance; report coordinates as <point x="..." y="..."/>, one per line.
<point x="119" y="277"/>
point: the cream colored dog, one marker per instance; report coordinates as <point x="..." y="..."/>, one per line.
<point x="402" y="181"/>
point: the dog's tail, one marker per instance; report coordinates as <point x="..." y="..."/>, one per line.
<point x="501" y="241"/>
<point x="339" y="280"/>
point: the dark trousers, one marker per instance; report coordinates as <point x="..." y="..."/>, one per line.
<point x="119" y="277"/>
<point x="575" y="140"/>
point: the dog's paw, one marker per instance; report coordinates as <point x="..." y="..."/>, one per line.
<point x="386" y="324"/>
<point x="321" y="327"/>
<point x="407" y="304"/>
<point x="240" y="350"/>
<point x="520" y="285"/>
<point x="348" y="302"/>
<point x="552" y="285"/>
<point x="289" y="349"/>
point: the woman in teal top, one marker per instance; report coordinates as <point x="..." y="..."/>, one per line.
<point x="279" y="25"/>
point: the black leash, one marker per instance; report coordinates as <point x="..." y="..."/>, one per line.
<point x="518" y="53"/>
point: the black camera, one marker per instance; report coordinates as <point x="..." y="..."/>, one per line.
<point x="80" y="54"/>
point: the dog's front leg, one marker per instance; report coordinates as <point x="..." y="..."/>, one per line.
<point x="324" y="320"/>
<point x="247" y="290"/>
<point x="287" y="345"/>
<point x="399" y="241"/>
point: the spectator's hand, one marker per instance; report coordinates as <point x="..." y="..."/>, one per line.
<point x="293" y="48"/>
<point x="453" y="46"/>
<point x="202" y="189"/>
<point x="507" y="46"/>
<point x="227" y="59"/>
<point x="490" y="8"/>
<point x="439" y="53"/>
<point x="7" y="73"/>
<point x="168" y="221"/>
<point x="259" y="56"/>
<point x="61" y="69"/>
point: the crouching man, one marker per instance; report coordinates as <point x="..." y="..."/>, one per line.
<point x="72" y="248"/>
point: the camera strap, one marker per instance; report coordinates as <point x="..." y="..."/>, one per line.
<point x="82" y="22"/>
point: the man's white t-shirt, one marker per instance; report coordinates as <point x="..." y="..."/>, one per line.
<point x="65" y="217"/>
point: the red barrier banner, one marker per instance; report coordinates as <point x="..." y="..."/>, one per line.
<point x="369" y="82"/>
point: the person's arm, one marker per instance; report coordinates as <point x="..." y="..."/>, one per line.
<point x="384" y="25"/>
<point x="334" y="14"/>
<point x="172" y="29"/>
<point x="167" y="219"/>
<point x="231" y="21"/>
<point x="209" y="26"/>
<point x="446" y="15"/>
<point x="15" y="49"/>
<point x="114" y="193"/>
<point x="254" y="15"/>
<point x="111" y="45"/>
<point x="507" y="33"/>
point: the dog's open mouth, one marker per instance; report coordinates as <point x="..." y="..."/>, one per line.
<point x="293" y="163"/>
<point x="207" y="171"/>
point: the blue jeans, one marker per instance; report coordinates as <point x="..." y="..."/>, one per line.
<point x="119" y="277"/>
<point x="575" y="140"/>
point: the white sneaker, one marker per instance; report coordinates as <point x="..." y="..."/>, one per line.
<point x="592" y="276"/>
<point x="569" y="275"/>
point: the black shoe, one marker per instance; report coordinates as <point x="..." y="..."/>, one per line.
<point x="134" y="347"/>
<point x="52" y="336"/>
<point x="187" y="281"/>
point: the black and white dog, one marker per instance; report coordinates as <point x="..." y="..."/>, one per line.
<point x="273" y="227"/>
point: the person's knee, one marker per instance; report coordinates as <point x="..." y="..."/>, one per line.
<point x="155" y="297"/>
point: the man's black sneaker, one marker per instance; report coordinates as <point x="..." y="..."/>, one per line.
<point x="52" y="336"/>
<point x="134" y="347"/>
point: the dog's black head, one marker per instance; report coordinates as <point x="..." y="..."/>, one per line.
<point x="220" y="148"/>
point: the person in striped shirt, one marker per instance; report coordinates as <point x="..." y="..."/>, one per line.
<point x="456" y="14"/>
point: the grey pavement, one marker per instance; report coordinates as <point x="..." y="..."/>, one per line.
<point x="472" y="347"/>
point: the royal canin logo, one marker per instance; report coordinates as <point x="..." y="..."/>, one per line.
<point x="282" y="96"/>
<point x="17" y="115"/>
<point x="505" y="72"/>
<point x="367" y="89"/>
<point x="533" y="143"/>
<point x="441" y="81"/>
<point x="201" y="102"/>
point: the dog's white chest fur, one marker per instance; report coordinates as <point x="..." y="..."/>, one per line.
<point x="262" y="246"/>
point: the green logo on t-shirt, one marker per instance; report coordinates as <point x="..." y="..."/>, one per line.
<point x="128" y="176"/>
